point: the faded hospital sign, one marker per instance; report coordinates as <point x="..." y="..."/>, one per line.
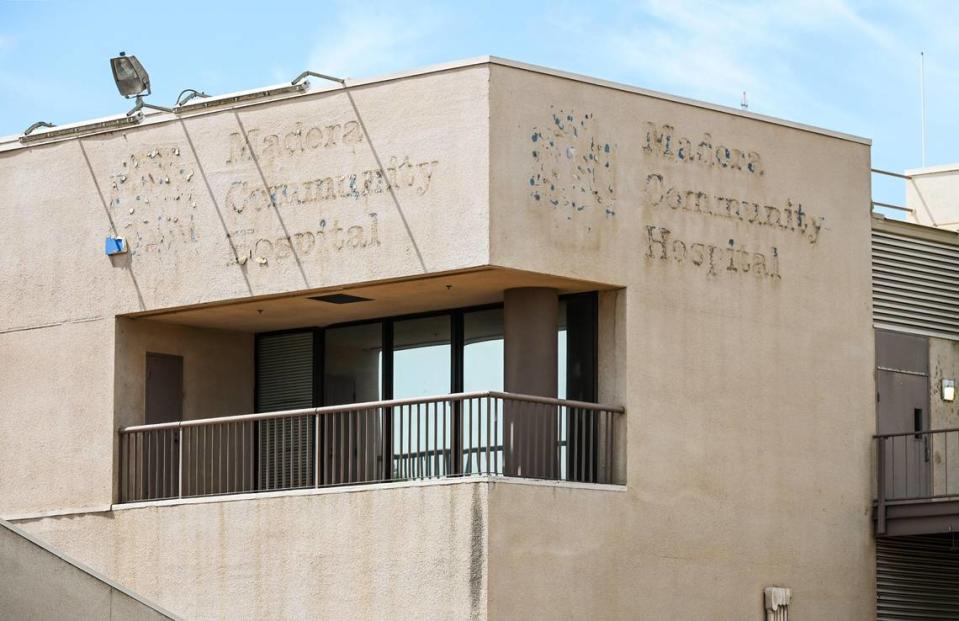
<point x="574" y="171"/>
<point x="157" y="195"/>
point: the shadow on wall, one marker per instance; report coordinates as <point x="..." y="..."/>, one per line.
<point x="124" y="259"/>
<point x="120" y="260"/>
<point x="42" y="583"/>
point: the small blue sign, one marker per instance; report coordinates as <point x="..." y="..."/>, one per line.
<point x="115" y="245"/>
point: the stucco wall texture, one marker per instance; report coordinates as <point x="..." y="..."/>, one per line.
<point x="194" y="205"/>
<point x="217" y="368"/>
<point x="41" y="585"/>
<point x="943" y="364"/>
<point x="742" y="344"/>
<point x="416" y="552"/>
<point x="747" y="379"/>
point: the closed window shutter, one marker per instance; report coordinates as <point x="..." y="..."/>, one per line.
<point x="284" y="381"/>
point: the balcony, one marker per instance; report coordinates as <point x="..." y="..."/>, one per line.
<point x="489" y="433"/>
<point x="917" y="483"/>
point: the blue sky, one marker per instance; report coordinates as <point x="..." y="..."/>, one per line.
<point x="845" y="65"/>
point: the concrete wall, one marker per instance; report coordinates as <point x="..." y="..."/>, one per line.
<point x="194" y="202"/>
<point x="741" y="347"/>
<point x="944" y="448"/>
<point x="56" y="416"/>
<point x="943" y="364"/>
<point x="217" y="368"/>
<point x="747" y="373"/>
<point x="415" y="552"/>
<point x="931" y="194"/>
<point x="612" y="343"/>
<point x="40" y="583"/>
<point x="192" y="197"/>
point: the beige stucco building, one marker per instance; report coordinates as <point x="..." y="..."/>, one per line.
<point x="681" y="290"/>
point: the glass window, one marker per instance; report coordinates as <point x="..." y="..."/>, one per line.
<point x="483" y="350"/>
<point x="422" y="357"/>
<point x="577" y="333"/>
<point x="561" y="357"/>
<point x="353" y="364"/>
<point x="482" y="370"/>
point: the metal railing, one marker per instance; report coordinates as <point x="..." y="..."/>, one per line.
<point x="916" y="466"/>
<point x="479" y="433"/>
<point x="893" y="175"/>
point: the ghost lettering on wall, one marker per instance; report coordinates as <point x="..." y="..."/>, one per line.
<point x="573" y="169"/>
<point x="151" y="197"/>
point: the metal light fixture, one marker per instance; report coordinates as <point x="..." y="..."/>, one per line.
<point x="36" y="126"/>
<point x="187" y="94"/>
<point x="948" y="390"/>
<point x="132" y="80"/>
<point x="84" y="129"/>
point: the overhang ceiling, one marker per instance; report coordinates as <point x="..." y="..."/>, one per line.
<point x="435" y="292"/>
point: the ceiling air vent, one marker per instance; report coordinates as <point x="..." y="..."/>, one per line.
<point x="340" y="298"/>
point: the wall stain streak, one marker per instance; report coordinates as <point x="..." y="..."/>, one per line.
<point x="477" y="553"/>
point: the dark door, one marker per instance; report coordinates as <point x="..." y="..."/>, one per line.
<point x="164" y="404"/>
<point x="581" y="325"/>
<point x="902" y="382"/>
<point x="164" y="388"/>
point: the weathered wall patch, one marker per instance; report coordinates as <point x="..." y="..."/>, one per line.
<point x="573" y="168"/>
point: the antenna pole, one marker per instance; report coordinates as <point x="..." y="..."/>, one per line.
<point x="922" y="105"/>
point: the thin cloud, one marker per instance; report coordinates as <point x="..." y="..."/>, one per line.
<point x="7" y="42"/>
<point x="713" y="50"/>
<point x="378" y="43"/>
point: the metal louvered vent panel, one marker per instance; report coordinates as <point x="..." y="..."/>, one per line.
<point x="284" y="381"/>
<point x="915" y="285"/>
<point x="917" y="578"/>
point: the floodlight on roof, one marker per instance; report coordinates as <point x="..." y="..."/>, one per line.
<point x="133" y="81"/>
<point x="131" y="78"/>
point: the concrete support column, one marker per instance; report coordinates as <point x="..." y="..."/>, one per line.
<point x="529" y="366"/>
<point x="529" y="332"/>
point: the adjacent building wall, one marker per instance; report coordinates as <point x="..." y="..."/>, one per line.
<point x="413" y="552"/>
<point x="944" y="448"/>
<point x="743" y="247"/>
<point x="943" y="364"/>
<point x="931" y="194"/>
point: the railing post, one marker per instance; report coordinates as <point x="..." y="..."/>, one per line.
<point x="456" y="436"/>
<point x="881" y="486"/>
<point x="489" y="433"/>
<point x="179" y="468"/>
<point x="316" y="450"/>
